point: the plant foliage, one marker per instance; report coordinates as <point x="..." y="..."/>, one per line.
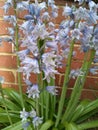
<point x="45" y="47"/>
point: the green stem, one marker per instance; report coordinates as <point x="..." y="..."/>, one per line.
<point x="78" y="88"/>
<point x="52" y="100"/>
<point x="47" y="106"/>
<point x="4" y="102"/>
<point x="88" y="125"/>
<point x="65" y="84"/>
<point x="18" y="61"/>
<point x="37" y="106"/>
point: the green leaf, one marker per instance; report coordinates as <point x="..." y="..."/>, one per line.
<point x="47" y="125"/>
<point x="13" y="95"/>
<point x="10" y="104"/>
<point x="79" y="110"/>
<point x="16" y="126"/>
<point x="88" y="125"/>
<point x="91" y="106"/>
<point x="87" y="116"/>
<point x="71" y="126"/>
<point x="4" y="117"/>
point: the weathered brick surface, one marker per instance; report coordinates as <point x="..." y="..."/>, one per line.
<point x="9" y="76"/>
<point x="6" y="47"/>
<point x="86" y="94"/>
<point x="7" y="61"/>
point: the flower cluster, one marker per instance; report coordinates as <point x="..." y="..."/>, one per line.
<point x="26" y="116"/>
<point x="46" y="46"/>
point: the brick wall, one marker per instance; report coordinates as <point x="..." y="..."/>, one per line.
<point x="8" y="66"/>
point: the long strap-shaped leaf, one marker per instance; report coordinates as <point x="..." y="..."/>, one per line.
<point x="65" y="84"/>
<point x="16" y="126"/>
<point x="87" y="125"/>
<point x="78" y="87"/>
<point x="47" y="125"/>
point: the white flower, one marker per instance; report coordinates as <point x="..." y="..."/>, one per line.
<point x="33" y="91"/>
<point x="67" y="11"/>
<point x="33" y="113"/>
<point x="76" y="34"/>
<point x="52" y="90"/>
<point x="40" y="31"/>
<point x="24" y="115"/>
<point x="37" y="121"/>
<point x="76" y="73"/>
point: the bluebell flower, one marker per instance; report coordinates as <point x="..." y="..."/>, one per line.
<point x="75" y="73"/>
<point x="80" y="1"/>
<point x="52" y="90"/>
<point x="49" y="58"/>
<point x="51" y="2"/>
<point x="95" y="60"/>
<point x="93" y="6"/>
<point x="65" y="52"/>
<point x="67" y="11"/>
<point x="35" y="9"/>
<point x="52" y="45"/>
<point x="24" y="115"/>
<point x="54" y="11"/>
<point x="33" y="91"/>
<point x="86" y="30"/>
<point x="23" y="5"/>
<point x="81" y="13"/>
<point x="25" y="125"/>
<point x="63" y="36"/>
<point x="32" y="113"/>
<point x="48" y="65"/>
<point x="11" y="31"/>
<point x="8" y="39"/>
<point x="6" y="7"/>
<point x="49" y="72"/>
<point x="45" y="16"/>
<point x="11" y="19"/>
<point x="94" y="70"/>
<point x="37" y="121"/>
<point x="67" y="24"/>
<point x="28" y="82"/>
<point x="92" y="18"/>
<point x="10" y="2"/>
<point x="29" y="65"/>
<point x="2" y="79"/>
<point x="27" y="26"/>
<point x="40" y="31"/>
<point x="22" y="54"/>
<point x="76" y="34"/>
<point x="51" y="26"/>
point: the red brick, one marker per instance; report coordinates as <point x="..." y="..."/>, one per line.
<point x="91" y="83"/>
<point x="6" y="47"/>
<point x="79" y="55"/>
<point x="3" y="27"/>
<point x="8" y="62"/>
<point x="8" y="76"/>
<point x="86" y="94"/>
<point x="33" y="78"/>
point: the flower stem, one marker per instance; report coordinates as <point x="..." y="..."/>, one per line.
<point x="78" y="87"/>
<point x="18" y="61"/>
<point x="65" y="84"/>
